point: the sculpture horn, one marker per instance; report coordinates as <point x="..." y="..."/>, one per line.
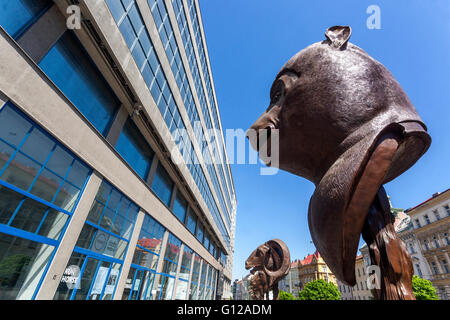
<point x="279" y="253"/>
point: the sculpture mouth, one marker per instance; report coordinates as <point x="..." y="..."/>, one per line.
<point x="264" y="144"/>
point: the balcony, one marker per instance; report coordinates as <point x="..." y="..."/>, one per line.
<point x="442" y="276"/>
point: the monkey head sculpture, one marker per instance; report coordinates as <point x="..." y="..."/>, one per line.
<point x="269" y="263"/>
<point x="345" y="124"/>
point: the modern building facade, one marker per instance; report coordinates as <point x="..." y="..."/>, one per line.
<point x="114" y="180"/>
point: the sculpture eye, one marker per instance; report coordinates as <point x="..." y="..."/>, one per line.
<point x="276" y="96"/>
<point x="277" y="91"/>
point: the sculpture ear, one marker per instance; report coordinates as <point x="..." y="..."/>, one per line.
<point x="338" y="36"/>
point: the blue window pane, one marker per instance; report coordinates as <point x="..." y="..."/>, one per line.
<point x="199" y="234"/>
<point x="135" y="18"/>
<point x="21" y="171"/>
<point x="132" y="212"/>
<point x="116" y="9"/>
<point x="17" y="126"/>
<point x="162" y="185"/>
<point x="38" y="146"/>
<point x="155" y="91"/>
<point x="180" y="207"/>
<point x="154" y="63"/>
<point x="151" y="234"/>
<point x="134" y="149"/>
<point x="46" y="185"/>
<point x="6" y="152"/>
<point x="67" y="196"/>
<point x="144" y="39"/>
<point x="126" y="3"/>
<point x="70" y="68"/>
<point x="148" y="75"/>
<point x="23" y="263"/>
<point x="60" y="161"/>
<point x="78" y="174"/>
<point x="17" y="15"/>
<point x="127" y="32"/>
<point x="138" y="55"/>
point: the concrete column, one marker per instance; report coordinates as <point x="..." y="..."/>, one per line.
<point x="180" y="257"/>
<point x="43" y="34"/>
<point x="129" y="256"/>
<point x="206" y="282"/>
<point x="64" y="251"/>
<point x="117" y="125"/>
<point x="190" y="275"/>
<point x="161" y="258"/>
<point x="214" y="281"/>
<point x="199" y="278"/>
<point x="438" y="265"/>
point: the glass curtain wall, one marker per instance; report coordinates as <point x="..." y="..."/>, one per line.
<point x="169" y="270"/>
<point x="101" y="247"/>
<point x="41" y="183"/>
<point x="183" y="278"/>
<point x="140" y="281"/>
<point x="193" y="295"/>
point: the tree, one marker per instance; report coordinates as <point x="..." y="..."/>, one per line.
<point x="282" y="295"/>
<point x="320" y="290"/>
<point x="423" y="289"/>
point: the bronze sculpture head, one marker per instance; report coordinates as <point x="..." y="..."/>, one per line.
<point x="269" y="263"/>
<point x="333" y="105"/>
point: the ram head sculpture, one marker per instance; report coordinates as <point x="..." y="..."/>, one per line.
<point x="269" y="263"/>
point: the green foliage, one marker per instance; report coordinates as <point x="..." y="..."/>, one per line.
<point x="423" y="289"/>
<point x="320" y="290"/>
<point x="282" y="295"/>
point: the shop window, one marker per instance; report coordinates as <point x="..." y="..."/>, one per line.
<point x="100" y="250"/>
<point x="88" y="277"/>
<point x="41" y="183"/>
<point x="183" y="279"/>
<point x="139" y="284"/>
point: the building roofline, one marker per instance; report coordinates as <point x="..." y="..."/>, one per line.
<point x="434" y="196"/>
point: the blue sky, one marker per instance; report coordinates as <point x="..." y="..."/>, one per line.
<point x="249" y="41"/>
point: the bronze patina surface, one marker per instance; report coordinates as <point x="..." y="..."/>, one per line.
<point x="269" y="263"/>
<point x="346" y="124"/>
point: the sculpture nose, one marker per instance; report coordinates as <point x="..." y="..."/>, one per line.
<point x="265" y="122"/>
